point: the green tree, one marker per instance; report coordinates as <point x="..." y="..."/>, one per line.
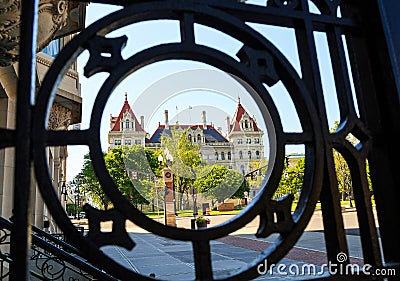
<point x="220" y="183"/>
<point x="186" y="158"/>
<point x="90" y="184"/>
<point x="292" y="179"/>
<point x="131" y="170"/>
<point x="121" y="163"/>
<point x="343" y="173"/>
<point x="258" y="170"/>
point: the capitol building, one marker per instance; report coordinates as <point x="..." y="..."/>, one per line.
<point x="236" y="149"/>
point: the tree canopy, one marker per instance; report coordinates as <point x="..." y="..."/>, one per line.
<point x="90" y="184"/>
<point x="132" y="169"/>
<point x="220" y="183"/>
<point x="186" y="157"/>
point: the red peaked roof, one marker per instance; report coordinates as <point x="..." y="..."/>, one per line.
<point x="116" y="121"/>
<point x="240" y="111"/>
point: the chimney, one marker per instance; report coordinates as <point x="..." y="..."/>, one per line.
<point x="166" y="119"/>
<point x="142" y="121"/>
<point x="204" y="120"/>
<point x="228" y="124"/>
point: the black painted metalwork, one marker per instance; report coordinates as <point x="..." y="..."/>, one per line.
<point x="50" y="258"/>
<point x="20" y="243"/>
<point x="371" y="45"/>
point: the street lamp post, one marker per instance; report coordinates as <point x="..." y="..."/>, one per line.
<point x="194" y="193"/>
<point x="77" y="196"/>
<point x="63" y="189"/>
<point x="77" y="203"/>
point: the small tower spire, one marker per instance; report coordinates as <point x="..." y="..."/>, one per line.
<point x="126" y="96"/>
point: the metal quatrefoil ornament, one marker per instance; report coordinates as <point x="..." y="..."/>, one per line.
<point x="258" y="62"/>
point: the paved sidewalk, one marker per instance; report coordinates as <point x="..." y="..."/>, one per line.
<point x="169" y="259"/>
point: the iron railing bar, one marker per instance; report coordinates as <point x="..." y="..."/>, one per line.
<point x="281" y="17"/>
<point x="20" y="242"/>
<point x="298" y="138"/>
<point x="74" y="137"/>
<point x="331" y="210"/>
<point x="71" y="258"/>
<point x="38" y="276"/>
<point x="341" y="75"/>
<point x="39" y="232"/>
<point x="378" y="98"/>
<point x="187" y="28"/>
<point x="263" y="15"/>
<point x="366" y="221"/>
<point x="7" y="138"/>
<point x="202" y="260"/>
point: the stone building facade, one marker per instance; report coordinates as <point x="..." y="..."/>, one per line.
<point x="58" y="20"/>
<point x="242" y="144"/>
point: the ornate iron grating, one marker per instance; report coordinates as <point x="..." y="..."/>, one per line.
<point x="259" y="62"/>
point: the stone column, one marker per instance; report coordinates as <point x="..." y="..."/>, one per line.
<point x="38" y="209"/>
<point x="8" y="80"/>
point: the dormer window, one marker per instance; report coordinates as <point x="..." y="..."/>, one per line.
<point x="127" y="123"/>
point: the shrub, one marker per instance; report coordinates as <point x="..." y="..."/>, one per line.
<point x="202" y="220"/>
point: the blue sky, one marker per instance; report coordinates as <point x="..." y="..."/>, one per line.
<point x="147" y="93"/>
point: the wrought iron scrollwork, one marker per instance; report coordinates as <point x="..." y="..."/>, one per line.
<point x="257" y="63"/>
<point x="260" y="62"/>
<point x="5" y="259"/>
<point x="277" y="217"/>
<point x="98" y="46"/>
<point x="118" y="235"/>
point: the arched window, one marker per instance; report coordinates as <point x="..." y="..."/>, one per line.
<point x="249" y="154"/>
<point x="198" y="138"/>
<point x="127" y="124"/>
<point x="229" y="155"/>
<point x="190" y="138"/>
<point x="246" y="124"/>
<point x="258" y="154"/>
<point x="222" y="155"/>
<point x="216" y="155"/>
<point x="240" y="155"/>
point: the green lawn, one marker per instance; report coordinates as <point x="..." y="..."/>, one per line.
<point x="189" y="213"/>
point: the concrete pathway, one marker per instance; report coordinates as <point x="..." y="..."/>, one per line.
<point x="169" y="259"/>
